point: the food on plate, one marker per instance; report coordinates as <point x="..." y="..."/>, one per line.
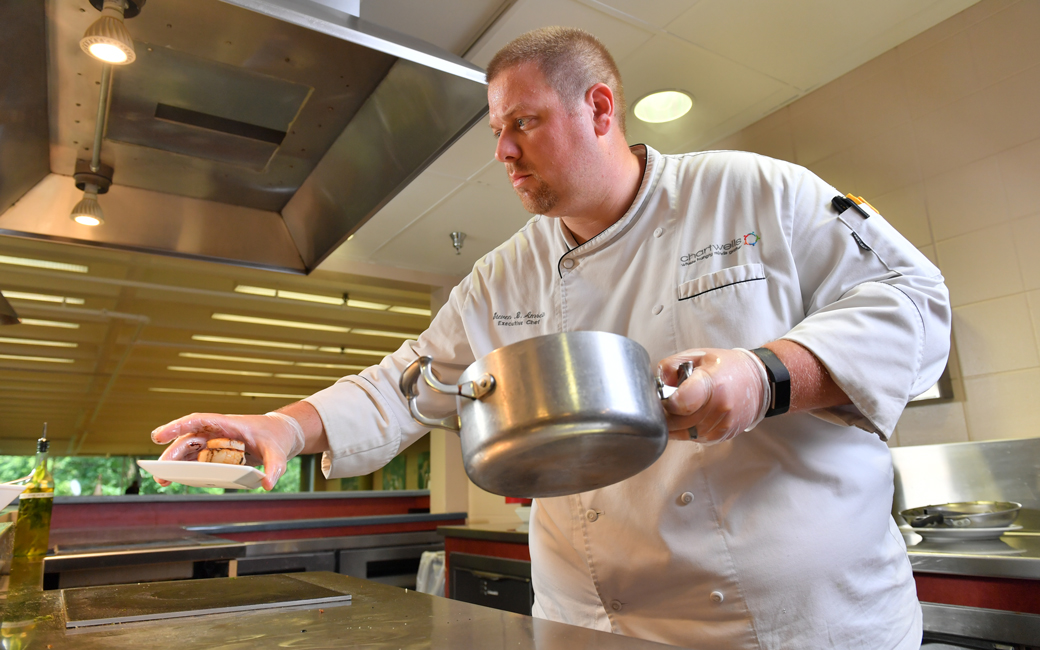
<point x="224" y="450"/>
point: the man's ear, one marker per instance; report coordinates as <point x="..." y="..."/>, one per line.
<point x="601" y="100"/>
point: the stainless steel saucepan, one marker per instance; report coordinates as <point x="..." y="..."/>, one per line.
<point x="968" y="514"/>
<point x="552" y="415"/>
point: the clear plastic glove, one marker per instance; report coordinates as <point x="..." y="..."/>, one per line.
<point x="270" y="440"/>
<point x="726" y="394"/>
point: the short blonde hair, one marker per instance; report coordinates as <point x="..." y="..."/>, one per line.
<point x="572" y="61"/>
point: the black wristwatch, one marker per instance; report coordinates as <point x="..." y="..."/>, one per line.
<point x="779" y="382"/>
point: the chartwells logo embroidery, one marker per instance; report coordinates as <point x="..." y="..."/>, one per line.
<point x="519" y="318"/>
<point x="720" y="250"/>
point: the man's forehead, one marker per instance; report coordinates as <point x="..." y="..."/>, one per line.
<point x="518" y="89"/>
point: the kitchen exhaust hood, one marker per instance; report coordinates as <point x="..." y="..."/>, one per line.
<point x="252" y="132"/>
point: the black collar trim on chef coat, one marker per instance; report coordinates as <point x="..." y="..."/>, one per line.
<point x="624" y="217"/>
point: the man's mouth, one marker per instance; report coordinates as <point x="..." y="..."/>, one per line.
<point x="518" y="179"/>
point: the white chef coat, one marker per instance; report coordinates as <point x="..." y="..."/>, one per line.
<point x="779" y="538"/>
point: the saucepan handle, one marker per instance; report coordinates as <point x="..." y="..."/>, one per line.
<point x="423" y="366"/>
<point x="921" y="522"/>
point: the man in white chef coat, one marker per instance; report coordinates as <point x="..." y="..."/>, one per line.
<point x="750" y="531"/>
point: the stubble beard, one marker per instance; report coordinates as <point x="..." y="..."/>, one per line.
<point x="540" y="200"/>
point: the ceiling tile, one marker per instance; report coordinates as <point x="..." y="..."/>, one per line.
<point x="720" y="90"/>
<point x="657" y="13"/>
<point x="808" y="42"/>
<point x="469" y="154"/>
<point x="620" y="37"/>
<point x="406" y="207"/>
<point x="488" y="216"/>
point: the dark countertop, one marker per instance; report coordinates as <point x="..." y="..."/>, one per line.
<point x="94" y="548"/>
<point x="324" y="522"/>
<point x="379" y="617"/>
<point x="512" y="533"/>
<point x="243" y="496"/>
<point x="1015" y="555"/>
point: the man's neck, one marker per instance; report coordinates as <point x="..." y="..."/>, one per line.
<point x="620" y="191"/>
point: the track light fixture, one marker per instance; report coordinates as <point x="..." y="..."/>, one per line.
<point x="107" y="39"/>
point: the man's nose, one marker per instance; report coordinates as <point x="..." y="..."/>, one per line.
<point x="506" y="149"/>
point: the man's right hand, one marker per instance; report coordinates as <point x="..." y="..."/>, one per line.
<point x="270" y="439"/>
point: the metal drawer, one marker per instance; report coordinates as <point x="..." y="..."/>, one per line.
<point x="394" y="565"/>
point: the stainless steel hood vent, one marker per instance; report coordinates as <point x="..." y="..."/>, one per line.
<point x="253" y="132"/>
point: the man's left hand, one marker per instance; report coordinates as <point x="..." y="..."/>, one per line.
<point x="726" y="394"/>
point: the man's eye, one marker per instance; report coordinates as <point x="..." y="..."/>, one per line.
<point x="521" y="122"/>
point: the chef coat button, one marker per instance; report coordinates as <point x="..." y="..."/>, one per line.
<point x="657" y="309"/>
<point x="716" y="597"/>
<point x="658" y="232"/>
<point x="616" y="605"/>
<point x="686" y="498"/>
<point x="568" y="263"/>
<point x="591" y="515"/>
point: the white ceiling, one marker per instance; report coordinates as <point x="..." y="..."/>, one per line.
<point x="740" y="59"/>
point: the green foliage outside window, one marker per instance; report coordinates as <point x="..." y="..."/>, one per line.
<point x="116" y="473"/>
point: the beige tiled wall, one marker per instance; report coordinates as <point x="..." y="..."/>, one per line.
<point x="942" y="135"/>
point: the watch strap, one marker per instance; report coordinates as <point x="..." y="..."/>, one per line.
<point x="779" y="381"/>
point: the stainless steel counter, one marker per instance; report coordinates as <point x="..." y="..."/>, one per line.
<point x="378" y="618"/>
<point x="1015" y="555"/>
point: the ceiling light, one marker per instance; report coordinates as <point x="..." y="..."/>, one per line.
<point x="88" y="211"/>
<point x="43" y="297"/>
<point x="42" y="264"/>
<point x="357" y="351"/>
<point x="415" y="311"/>
<point x="307" y="377"/>
<point x="19" y="357"/>
<point x="49" y="323"/>
<point x="663" y="106"/>
<point x="396" y="335"/>
<point x="50" y="344"/>
<point x="107" y="39"/>
<point x="274" y="395"/>
<point x="365" y="304"/>
<point x="256" y="342"/>
<point x="219" y="371"/>
<point x="8" y="316"/>
<point x="193" y="391"/>
<point x="289" y="295"/>
<point x="338" y="366"/>
<point x="235" y="318"/>
<point x="220" y="357"/>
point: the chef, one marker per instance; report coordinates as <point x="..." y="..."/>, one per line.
<point x="809" y="319"/>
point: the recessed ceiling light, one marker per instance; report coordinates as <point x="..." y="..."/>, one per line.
<point x="43" y="297"/>
<point x="257" y="342"/>
<point x="289" y="295"/>
<point x="43" y="264"/>
<point x="221" y="357"/>
<point x="357" y="351"/>
<point x="307" y="377"/>
<point x="49" y="344"/>
<point x="50" y="323"/>
<point x="274" y="395"/>
<point x="193" y="391"/>
<point x="396" y="335"/>
<point x="338" y="366"/>
<point x="415" y="311"/>
<point x="254" y="320"/>
<point x="663" y="106"/>
<point x="19" y="357"/>
<point x="219" y="371"/>
<point x="365" y="304"/>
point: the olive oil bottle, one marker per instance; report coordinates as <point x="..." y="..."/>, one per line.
<point x="33" y="528"/>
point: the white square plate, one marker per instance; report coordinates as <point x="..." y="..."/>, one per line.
<point x="209" y="475"/>
<point x="8" y="493"/>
